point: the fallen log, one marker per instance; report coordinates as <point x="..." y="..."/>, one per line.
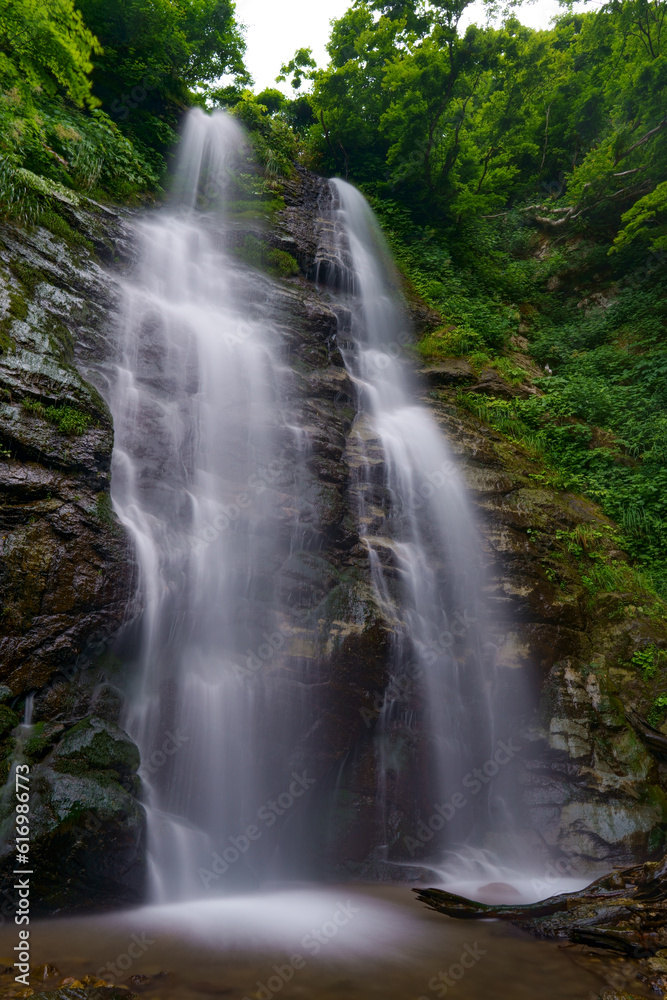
<point x="653" y="738"/>
<point x="624" y="913"/>
<point x="631" y="900"/>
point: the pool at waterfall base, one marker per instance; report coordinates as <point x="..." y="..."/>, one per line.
<point x="342" y="942"/>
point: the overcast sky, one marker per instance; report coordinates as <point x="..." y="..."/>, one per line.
<point x="275" y="30"/>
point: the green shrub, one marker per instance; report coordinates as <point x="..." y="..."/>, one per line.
<point x="658" y="711"/>
<point x="52" y="153"/>
<point x="260" y="255"/>
<point x="67" y="419"/>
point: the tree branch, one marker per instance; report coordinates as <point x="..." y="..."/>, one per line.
<point x="640" y="142"/>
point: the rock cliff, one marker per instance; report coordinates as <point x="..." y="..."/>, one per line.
<point x="593" y="780"/>
<point x="66" y="572"/>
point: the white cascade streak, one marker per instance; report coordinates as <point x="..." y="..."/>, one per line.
<point x="193" y="407"/>
<point x="415" y="519"/>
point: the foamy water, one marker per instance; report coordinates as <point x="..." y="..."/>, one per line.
<point x="338" y="943"/>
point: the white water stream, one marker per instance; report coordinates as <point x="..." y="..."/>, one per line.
<point x="198" y="404"/>
<point x="194" y="407"/>
<point x="424" y="545"/>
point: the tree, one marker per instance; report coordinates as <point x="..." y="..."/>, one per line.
<point x="44" y="44"/>
<point x="156" y="52"/>
<point x="647" y="220"/>
<point x="301" y="67"/>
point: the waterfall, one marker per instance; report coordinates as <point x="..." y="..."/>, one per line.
<point x="196" y="403"/>
<point x="425" y="553"/>
<point x="201" y="398"/>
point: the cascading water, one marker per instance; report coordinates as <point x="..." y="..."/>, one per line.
<point x="424" y="547"/>
<point x="201" y="405"/>
<point x="196" y="404"/>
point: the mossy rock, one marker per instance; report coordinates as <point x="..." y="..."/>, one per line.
<point x="88" y="837"/>
<point x="8" y="720"/>
<point x="41" y="740"/>
<point x="68" y="419"/>
<point x="258" y="253"/>
<point x="97" y="745"/>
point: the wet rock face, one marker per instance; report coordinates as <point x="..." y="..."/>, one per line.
<point x="65" y="571"/>
<point x="593" y="790"/>
<point x="87" y="827"/>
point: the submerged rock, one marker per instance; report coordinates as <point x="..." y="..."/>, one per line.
<point x="46" y="972"/>
<point x="613" y="995"/>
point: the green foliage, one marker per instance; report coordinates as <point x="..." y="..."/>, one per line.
<point x="658" y="712"/>
<point x="273" y="100"/>
<point x="448" y="342"/>
<point x="45" y="45"/>
<point x="259" y="254"/>
<point x="647" y="220"/>
<point x="648" y="661"/>
<point x="59" y="226"/>
<point x="301" y="67"/>
<point x="273" y="141"/>
<point x="51" y="153"/>
<point x="150" y="60"/>
<point x="67" y="419"/>
<point x="155" y="54"/>
<point x="283" y="263"/>
<point x="104" y="509"/>
<point x="8" y="720"/>
<point x="600" y="418"/>
<point x="456" y="125"/>
<point x="466" y="275"/>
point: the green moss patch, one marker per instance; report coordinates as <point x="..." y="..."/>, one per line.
<point x="258" y="254"/>
<point x="67" y="419"/>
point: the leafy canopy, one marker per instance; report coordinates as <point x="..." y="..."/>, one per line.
<point x="45" y="45"/>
